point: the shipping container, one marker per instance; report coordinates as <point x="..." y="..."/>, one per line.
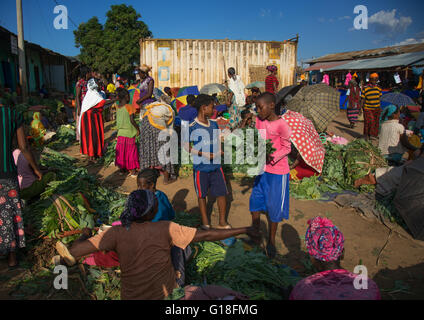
<point x="182" y="62"/>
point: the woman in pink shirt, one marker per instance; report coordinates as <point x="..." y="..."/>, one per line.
<point x="270" y="192"/>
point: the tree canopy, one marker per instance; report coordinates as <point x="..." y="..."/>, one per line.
<point x="114" y="46"/>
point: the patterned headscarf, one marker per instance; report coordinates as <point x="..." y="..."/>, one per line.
<point x="323" y="240"/>
<point x="139" y="203"/>
<point x="272" y="68"/>
<point x="390" y="109"/>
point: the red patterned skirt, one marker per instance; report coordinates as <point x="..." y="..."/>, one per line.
<point x="371" y="122"/>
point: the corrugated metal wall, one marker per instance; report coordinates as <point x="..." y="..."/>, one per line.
<point x="177" y="62"/>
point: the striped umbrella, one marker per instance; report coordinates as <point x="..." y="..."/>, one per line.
<point x="181" y="99"/>
<point x="398" y="99"/>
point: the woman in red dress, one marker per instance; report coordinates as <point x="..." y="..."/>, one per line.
<point x="271" y="81"/>
<point x="91" y="126"/>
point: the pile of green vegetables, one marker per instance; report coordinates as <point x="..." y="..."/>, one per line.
<point x="342" y="166"/>
<point x="74" y="201"/>
<point x="64" y="137"/>
<point x="249" y="272"/>
<point x="246" y="147"/>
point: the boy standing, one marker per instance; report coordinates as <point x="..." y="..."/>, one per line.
<point x="270" y="192"/>
<point x="206" y="152"/>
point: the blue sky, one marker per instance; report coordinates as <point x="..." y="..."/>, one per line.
<point x="323" y="26"/>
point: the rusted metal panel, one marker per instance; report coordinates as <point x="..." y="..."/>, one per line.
<point x="183" y="62"/>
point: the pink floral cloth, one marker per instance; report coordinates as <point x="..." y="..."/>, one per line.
<point x="323" y="240"/>
<point x="334" y="285"/>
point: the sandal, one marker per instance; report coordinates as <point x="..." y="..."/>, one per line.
<point x="65" y="254"/>
<point x="205" y="227"/>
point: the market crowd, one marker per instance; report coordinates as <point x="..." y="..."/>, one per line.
<point x="146" y="222"/>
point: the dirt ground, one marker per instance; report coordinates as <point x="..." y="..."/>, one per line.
<point x="400" y="269"/>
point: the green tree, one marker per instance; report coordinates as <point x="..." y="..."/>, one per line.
<point x="115" y="46"/>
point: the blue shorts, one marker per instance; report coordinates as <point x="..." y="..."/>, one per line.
<point x="213" y="181"/>
<point x="271" y="194"/>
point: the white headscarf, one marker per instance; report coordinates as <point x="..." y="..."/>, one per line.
<point x="237" y="87"/>
<point x="92" y="98"/>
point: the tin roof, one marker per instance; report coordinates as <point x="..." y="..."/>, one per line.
<point x="400" y="60"/>
<point x="325" y="65"/>
<point x="372" y="53"/>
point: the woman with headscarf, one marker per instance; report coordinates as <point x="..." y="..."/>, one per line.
<point x="37" y="130"/>
<point x="144" y="247"/>
<point x="354" y="97"/>
<point x="158" y="117"/>
<point x="271" y="81"/>
<point x="91" y="126"/>
<point x="393" y="141"/>
<point x="325" y="245"/>
<point x="12" y="236"/>
<point x="146" y="86"/>
<point x="236" y="98"/>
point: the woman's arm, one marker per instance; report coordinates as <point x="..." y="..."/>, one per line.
<point x="134" y="124"/>
<point x="77" y="100"/>
<point x="296" y="162"/>
<point x="26" y="152"/>
<point x="221" y="234"/>
<point x="230" y="97"/>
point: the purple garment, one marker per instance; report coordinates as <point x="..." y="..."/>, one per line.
<point x="144" y="88"/>
<point x="187" y="113"/>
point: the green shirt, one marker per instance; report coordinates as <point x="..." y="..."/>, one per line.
<point x="123" y="121"/>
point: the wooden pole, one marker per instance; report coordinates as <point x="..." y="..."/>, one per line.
<point x="21" y="51"/>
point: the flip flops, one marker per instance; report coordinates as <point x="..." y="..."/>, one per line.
<point x="205" y="227"/>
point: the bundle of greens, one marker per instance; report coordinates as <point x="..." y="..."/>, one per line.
<point x="110" y="154"/>
<point x="187" y="219"/>
<point x="248" y="272"/>
<point x="361" y="158"/>
<point x="342" y="166"/>
<point x="105" y="284"/>
<point x="65" y="136"/>
<point x="247" y="157"/>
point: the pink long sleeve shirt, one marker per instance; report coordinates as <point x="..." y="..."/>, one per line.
<point x="279" y="132"/>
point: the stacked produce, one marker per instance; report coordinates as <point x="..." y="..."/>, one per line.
<point x="73" y="201"/>
<point x="64" y="137"/>
<point x="249" y="272"/>
<point x="342" y="166"/>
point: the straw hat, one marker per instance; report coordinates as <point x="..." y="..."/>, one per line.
<point x="145" y="68"/>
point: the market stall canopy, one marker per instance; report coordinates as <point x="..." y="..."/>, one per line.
<point x="319" y="103"/>
<point x="306" y="139"/>
<point x="399" y="60"/>
<point x="212" y="88"/>
<point x="409" y="198"/>
<point x="325" y="65"/>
